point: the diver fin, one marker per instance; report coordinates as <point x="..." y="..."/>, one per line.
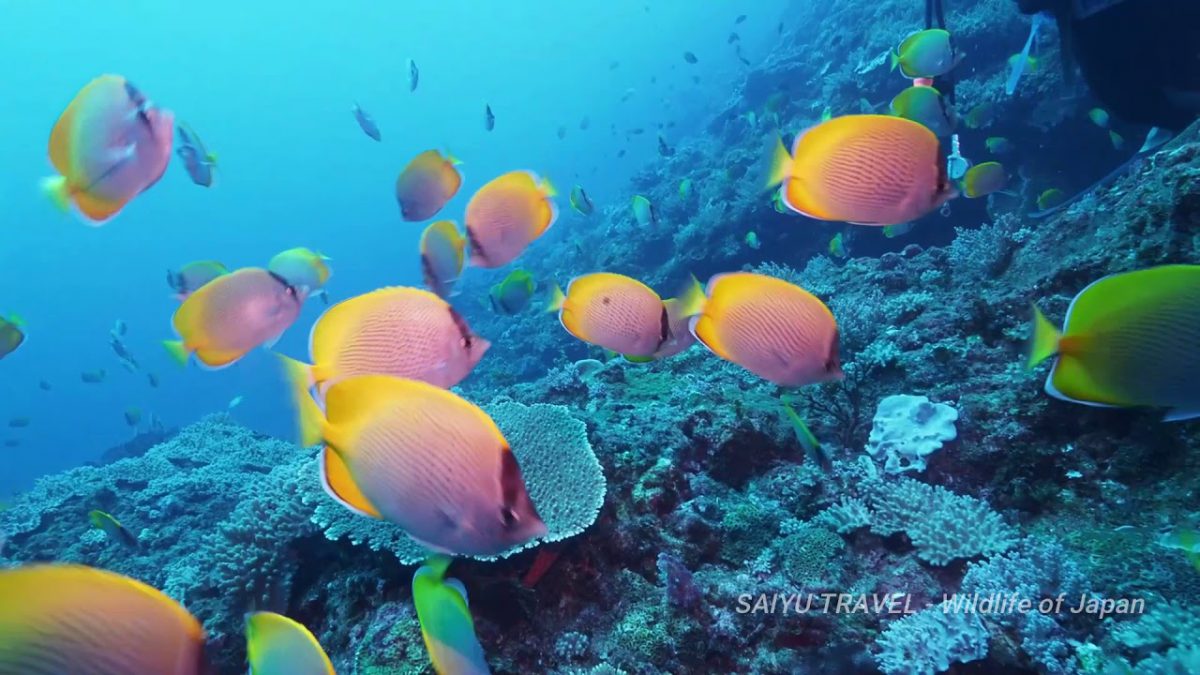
<point x="1181" y="414"/>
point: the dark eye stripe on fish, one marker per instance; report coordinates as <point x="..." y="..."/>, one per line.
<point x="286" y="285"/>
<point x="475" y="247"/>
<point x="666" y="329"/>
<point x="463" y="330"/>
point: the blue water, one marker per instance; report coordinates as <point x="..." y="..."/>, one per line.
<point x="269" y="86"/>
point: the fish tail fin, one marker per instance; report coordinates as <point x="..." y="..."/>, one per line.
<point x="692" y="299"/>
<point x="212" y="158"/>
<point x="547" y="187"/>
<point x="781" y="164"/>
<point x="178" y="351"/>
<point x="557" y="298"/>
<point x="1118" y="141"/>
<point x="57" y="189"/>
<point x="894" y="58"/>
<point x="309" y="415"/>
<point x="1043" y="343"/>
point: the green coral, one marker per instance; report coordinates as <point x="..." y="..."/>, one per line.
<point x="807" y="552"/>
<point x="749" y="526"/>
<point x="392" y="644"/>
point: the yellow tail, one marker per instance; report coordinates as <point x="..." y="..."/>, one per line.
<point x="557" y="298"/>
<point x="1043" y="343"/>
<point x="310" y="418"/>
<point x="178" y="351"/>
<point x="56" y="188"/>
<point x="692" y="299"/>
<point x="548" y="188"/>
<point x="781" y="164"/>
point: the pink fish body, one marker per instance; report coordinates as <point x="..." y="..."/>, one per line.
<point x="231" y="315"/>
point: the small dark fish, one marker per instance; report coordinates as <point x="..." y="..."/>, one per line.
<point x="19" y="422"/>
<point x="741" y="18"/>
<point x="614" y="65"/>
<point x="580" y="201"/>
<point x="636" y="131"/>
<point x="93" y="376"/>
<point x="45" y="386"/>
<point x="690" y="57"/>
<point x="197" y="160"/>
<point x="779" y="28"/>
<point x="585" y="123"/>
<point x="740" y="56"/>
<point x="664" y="149"/>
<point x="414" y="75"/>
<point x="152" y="379"/>
<point x="562" y="133"/>
<point x="653" y="79"/>
<point x="366" y="123"/>
<point x="119" y="348"/>
<point x="11" y="443"/>
<point x="733" y="37"/>
<point x="489" y="118"/>
<point x="133" y="416"/>
<point x="621" y="152"/>
<point x="695" y="79"/>
<point x="119" y="329"/>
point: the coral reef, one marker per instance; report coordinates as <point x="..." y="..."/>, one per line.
<point x="686" y="516"/>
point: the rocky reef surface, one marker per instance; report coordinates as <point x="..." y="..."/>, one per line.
<point x="712" y="516"/>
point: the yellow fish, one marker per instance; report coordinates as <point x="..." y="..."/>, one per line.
<point x="422" y="458"/>
<point x="426" y="184"/>
<point x="774" y="329"/>
<point x="1128" y="340"/>
<point x="506" y="215"/>
<point x="446" y="623"/>
<point x="83" y="621"/>
<point x="277" y="645"/>
<point x="613" y="311"/>
<point x="401" y="331"/>
<point x="231" y="315"/>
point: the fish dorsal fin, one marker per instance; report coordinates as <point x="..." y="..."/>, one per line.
<point x="339" y="484"/>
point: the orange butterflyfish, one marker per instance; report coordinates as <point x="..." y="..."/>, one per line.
<point x="506" y="215"/>
<point x="774" y="329"/>
<point x="862" y="169"/>
<point x="423" y="458"/>
<point x="231" y="315"/>
<point x="57" y="618"/>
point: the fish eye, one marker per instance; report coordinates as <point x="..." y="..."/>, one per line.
<point x="465" y="342"/>
<point x="508" y="517"/>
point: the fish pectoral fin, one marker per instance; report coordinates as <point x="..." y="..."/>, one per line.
<point x="1182" y="413"/>
<point x="339" y="484"/>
